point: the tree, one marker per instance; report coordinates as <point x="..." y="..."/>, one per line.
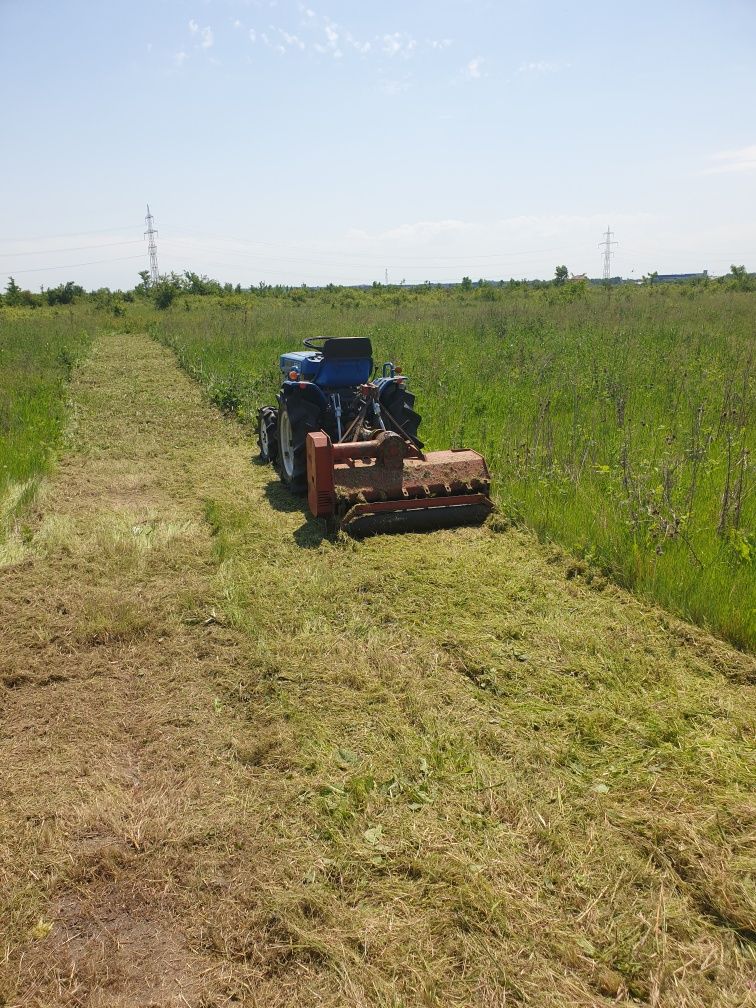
<point x="15" y="295"/>
<point x="560" y="275"/>
<point x="63" y="293"/>
<point x="466" y="283"/>
<point x="143" y="287"/>
<point x="739" y="278"/>
<point x="12" y="292"/>
<point x="164" y="293"/>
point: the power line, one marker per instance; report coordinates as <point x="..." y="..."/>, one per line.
<point x="366" y="271"/>
<point x="72" y="234"/>
<point x="378" y="256"/>
<point x="93" y="262"/>
<point x="462" y="262"/>
<point x="73" y="248"/>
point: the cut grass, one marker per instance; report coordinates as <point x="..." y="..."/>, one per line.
<point x="254" y="765"/>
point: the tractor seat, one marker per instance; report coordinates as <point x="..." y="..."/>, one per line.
<point x="347" y="347"/>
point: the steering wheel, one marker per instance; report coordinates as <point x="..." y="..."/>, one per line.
<point x="315" y="342"/>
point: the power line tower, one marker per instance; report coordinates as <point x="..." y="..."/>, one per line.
<point x="151" y="234"/>
<point x="606" y="244"/>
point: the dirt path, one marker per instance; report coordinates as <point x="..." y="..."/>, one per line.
<point x="240" y="764"/>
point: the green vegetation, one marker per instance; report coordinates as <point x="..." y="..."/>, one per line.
<point x="616" y="422"/>
<point x="38" y="349"/>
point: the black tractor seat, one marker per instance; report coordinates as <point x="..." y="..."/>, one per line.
<point x="341" y="348"/>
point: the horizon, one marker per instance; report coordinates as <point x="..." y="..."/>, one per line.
<point x="177" y="276"/>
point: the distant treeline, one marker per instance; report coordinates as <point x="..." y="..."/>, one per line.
<point x="172" y="285"/>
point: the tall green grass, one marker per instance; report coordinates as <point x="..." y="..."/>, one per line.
<point x="617" y="423"/>
<point x="38" y="350"/>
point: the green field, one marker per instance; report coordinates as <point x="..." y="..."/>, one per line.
<point x="617" y="423"/>
<point x="38" y="350"/>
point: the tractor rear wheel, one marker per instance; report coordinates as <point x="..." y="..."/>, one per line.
<point x="267" y="438"/>
<point x="292" y="451"/>
<point x="399" y="403"/>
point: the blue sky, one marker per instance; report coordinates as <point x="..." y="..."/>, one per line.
<point x="310" y="142"/>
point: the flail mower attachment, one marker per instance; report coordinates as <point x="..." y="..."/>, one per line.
<point x="389" y="485"/>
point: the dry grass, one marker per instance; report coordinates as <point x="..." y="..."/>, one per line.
<point x="243" y="764"/>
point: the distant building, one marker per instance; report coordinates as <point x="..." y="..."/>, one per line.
<point x="676" y="277"/>
<point x="579" y="278"/>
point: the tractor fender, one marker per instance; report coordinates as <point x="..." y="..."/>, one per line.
<point x="383" y="384"/>
<point x="306" y="406"/>
<point x="304" y="391"/>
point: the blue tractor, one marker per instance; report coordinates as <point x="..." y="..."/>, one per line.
<point x="346" y="436"/>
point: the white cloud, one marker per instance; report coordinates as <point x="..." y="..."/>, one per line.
<point x="237" y="23"/>
<point x="394" y="87"/>
<point x="180" y="58"/>
<point x="507" y="234"/>
<point x="398" y="44"/>
<point x="408" y="233"/>
<point x="541" y="67"/>
<point x="473" y="69"/>
<point x="361" y="47"/>
<point x="391" y="44"/>
<point x="742" y="160"/>
<point x="291" y="40"/>
<point x="206" y="34"/>
<point x="270" y="43"/>
<point x="334" y="39"/>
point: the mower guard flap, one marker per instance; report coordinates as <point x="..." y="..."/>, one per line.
<point x="416" y="516"/>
